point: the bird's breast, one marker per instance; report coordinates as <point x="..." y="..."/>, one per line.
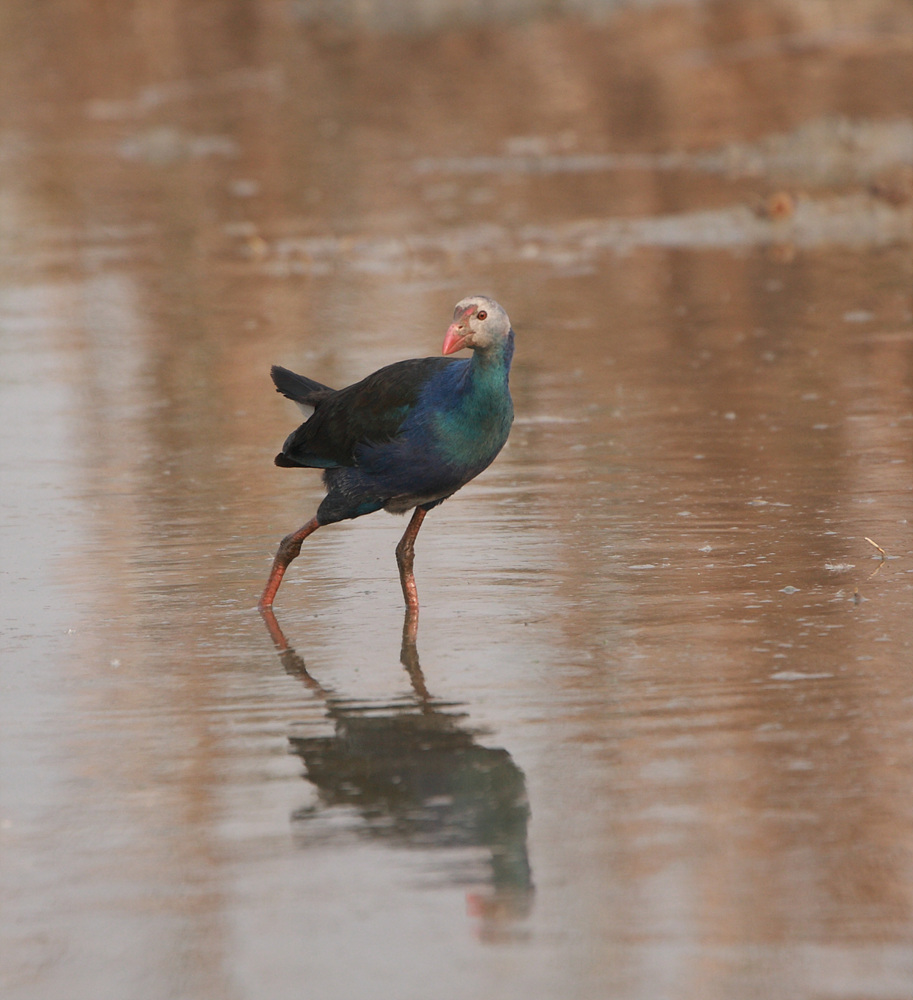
<point x="472" y="434"/>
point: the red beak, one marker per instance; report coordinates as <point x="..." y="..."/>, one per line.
<point x="458" y="334"/>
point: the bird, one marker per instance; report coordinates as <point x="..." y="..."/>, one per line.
<point x="405" y="438"/>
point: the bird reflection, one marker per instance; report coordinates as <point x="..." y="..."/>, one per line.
<point x="411" y="773"/>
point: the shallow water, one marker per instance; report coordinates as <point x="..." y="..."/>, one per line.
<point x="652" y="734"/>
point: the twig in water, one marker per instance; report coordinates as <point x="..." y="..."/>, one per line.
<point x="884" y="554"/>
<point x="881" y="561"/>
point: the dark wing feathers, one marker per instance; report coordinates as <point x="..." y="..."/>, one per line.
<point x="368" y="412"/>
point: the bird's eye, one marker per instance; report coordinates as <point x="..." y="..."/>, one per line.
<point x="482" y="315"/>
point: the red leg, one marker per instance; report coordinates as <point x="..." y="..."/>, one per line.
<point x="405" y="556"/>
<point x="289" y="548"/>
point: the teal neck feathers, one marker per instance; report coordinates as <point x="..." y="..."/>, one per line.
<point x="472" y="431"/>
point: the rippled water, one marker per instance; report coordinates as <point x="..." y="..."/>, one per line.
<point x="651" y="736"/>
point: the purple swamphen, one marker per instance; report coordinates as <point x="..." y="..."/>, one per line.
<point x="408" y="436"/>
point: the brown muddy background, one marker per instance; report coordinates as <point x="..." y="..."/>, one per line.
<point x="655" y="738"/>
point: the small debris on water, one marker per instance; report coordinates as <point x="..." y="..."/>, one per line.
<point x="796" y="675"/>
<point x="884" y="554"/>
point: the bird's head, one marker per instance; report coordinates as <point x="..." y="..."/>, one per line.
<point x="478" y="323"/>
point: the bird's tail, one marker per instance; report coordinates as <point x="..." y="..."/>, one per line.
<point x="298" y="387"/>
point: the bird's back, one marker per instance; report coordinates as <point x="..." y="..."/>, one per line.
<point x="369" y="412"/>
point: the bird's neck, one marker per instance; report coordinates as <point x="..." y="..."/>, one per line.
<point x="494" y="360"/>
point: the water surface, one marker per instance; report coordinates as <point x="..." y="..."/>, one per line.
<point x="651" y="736"/>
